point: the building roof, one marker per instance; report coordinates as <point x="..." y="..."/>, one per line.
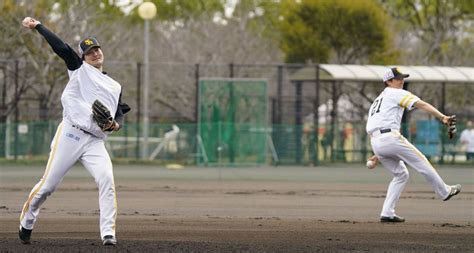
<point x="374" y="73"/>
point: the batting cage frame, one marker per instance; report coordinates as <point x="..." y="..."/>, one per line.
<point x="233" y="126"/>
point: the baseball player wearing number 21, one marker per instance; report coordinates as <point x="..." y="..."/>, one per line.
<point x="89" y="100"/>
<point x="393" y="150"/>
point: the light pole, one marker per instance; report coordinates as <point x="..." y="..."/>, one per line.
<point x="147" y="11"/>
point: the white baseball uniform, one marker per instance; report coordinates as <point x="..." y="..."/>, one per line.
<point x="78" y="137"/>
<point x="467" y="136"/>
<point x="393" y="150"/>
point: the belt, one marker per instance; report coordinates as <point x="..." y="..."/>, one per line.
<point x="380" y="131"/>
<point x="84" y="131"/>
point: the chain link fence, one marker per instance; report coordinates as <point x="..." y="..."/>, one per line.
<point x="30" y="96"/>
<point x="294" y="144"/>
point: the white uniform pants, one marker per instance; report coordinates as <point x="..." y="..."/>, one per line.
<point x="68" y="146"/>
<point x="393" y="150"/>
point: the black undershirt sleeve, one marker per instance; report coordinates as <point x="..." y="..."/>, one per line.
<point x="73" y="62"/>
<point x="122" y="108"/>
<point x="63" y="50"/>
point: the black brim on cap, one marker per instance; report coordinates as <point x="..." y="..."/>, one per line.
<point x="402" y="75"/>
<point x="89" y="49"/>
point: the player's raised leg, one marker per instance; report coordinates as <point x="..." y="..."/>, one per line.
<point x="415" y="159"/>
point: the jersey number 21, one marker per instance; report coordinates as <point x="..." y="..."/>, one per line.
<point x="376" y="106"/>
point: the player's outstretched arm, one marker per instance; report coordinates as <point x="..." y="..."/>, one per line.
<point x="63" y="50"/>
<point x="449" y="121"/>
<point x="422" y="105"/>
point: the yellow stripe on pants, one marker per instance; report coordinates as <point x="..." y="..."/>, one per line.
<point x="417" y="152"/>
<point x="48" y="167"/>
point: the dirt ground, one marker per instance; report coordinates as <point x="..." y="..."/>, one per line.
<point x="266" y="209"/>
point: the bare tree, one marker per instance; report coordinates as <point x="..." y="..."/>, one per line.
<point x="434" y="32"/>
<point x="200" y="41"/>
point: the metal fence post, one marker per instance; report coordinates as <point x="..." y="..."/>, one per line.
<point x="333" y="120"/>
<point x="139" y="81"/>
<point x="279" y="93"/>
<point x="298" y="120"/>
<point x="442" y="108"/>
<point x="316" y="119"/>
<point x="196" y="111"/>
<point x="17" y="113"/>
<point x="231" y="70"/>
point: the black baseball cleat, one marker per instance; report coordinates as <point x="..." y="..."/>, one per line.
<point x="24" y="235"/>
<point x="109" y="240"/>
<point x="395" y="218"/>
<point x="455" y="190"/>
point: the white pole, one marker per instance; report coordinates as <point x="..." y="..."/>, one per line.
<point x="146" y="86"/>
<point x="146" y="10"/>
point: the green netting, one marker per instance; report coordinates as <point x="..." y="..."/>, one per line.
<point x="294" y="144"/>
<point x="232" y="127"/>
<point x="28" y="139"/>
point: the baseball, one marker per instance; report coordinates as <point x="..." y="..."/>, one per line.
<point x="370" y="164"/>
<point x="26" y="21"/>
<point x="29" y="22"/>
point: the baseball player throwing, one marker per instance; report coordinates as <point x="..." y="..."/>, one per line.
<point x="92" y="109"/>
<point x="393" y="150"/>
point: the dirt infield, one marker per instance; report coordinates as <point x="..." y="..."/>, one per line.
<point x="275" y="209"/>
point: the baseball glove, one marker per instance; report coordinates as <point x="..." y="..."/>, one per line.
<point x="102" y="116"/>
<point x="451" y="124"/>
